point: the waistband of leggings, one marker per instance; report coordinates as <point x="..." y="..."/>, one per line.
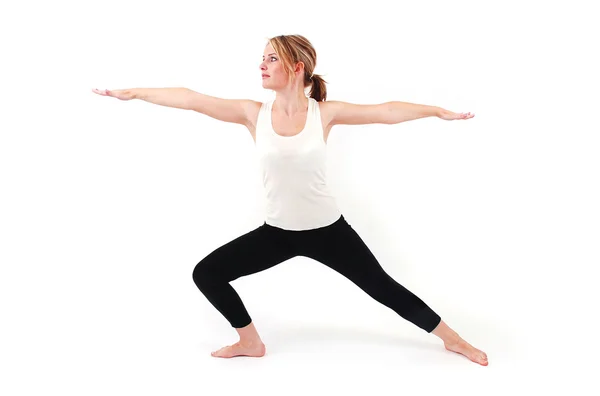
<point x="341" y="219"/>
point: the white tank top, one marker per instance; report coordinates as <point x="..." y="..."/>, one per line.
<point x="294" y="173"/>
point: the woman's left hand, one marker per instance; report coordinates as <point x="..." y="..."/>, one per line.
<point x="449" y="115"/>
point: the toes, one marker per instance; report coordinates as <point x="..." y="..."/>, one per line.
<point x="219" y="352"/>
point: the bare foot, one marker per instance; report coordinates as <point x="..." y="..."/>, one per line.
<point x="464" y="348"/>
<point x="238" y="349"/>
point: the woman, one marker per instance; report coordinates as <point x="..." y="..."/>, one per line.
<point x="302" y="218"/>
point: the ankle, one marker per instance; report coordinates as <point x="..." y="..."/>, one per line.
<point x="447" y="335"/>
<point x="452" y="339"/>
<point x="250" y="342"/>
<point x="249" y="335"/>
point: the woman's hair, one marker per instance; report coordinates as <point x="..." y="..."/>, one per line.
<point x="296" y="48"/>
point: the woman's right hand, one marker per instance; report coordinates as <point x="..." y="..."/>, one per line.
<point x="123" y="94"/>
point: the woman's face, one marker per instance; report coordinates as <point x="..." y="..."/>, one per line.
<point x="272" y="66"/>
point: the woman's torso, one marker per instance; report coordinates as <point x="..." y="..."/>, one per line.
<point x="292" y="156"/>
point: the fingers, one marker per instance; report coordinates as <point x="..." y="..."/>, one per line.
<point x="460" y="116"/>
<point x="104" y="92"/>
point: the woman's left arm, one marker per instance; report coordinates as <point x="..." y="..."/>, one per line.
<point x="403" y="111"/>
<point x="385" y="113"/>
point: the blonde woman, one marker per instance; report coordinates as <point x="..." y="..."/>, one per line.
<point x="302" y="217"/>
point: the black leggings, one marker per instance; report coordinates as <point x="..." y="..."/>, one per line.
<point x="337" y="246"/>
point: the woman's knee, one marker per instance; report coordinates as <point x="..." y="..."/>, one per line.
<point x="205" y="272"/>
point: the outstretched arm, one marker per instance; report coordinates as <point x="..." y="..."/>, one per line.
<point x="237" y="111"/>
<point x="388" y="113"/>
<point x="398" y="112"/>
<point x="404" y="111"/>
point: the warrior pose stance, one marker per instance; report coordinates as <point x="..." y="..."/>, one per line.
<point x="302" y="218"/>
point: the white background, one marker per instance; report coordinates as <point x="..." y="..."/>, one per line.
<point x="107" y="206"/>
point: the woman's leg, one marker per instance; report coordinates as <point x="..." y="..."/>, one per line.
<point x="339" y="247"/>
<point x="255" y="251"/>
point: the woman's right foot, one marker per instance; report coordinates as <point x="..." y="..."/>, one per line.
<point x="241" y="349"/>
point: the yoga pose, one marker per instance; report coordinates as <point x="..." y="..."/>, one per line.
<point x="302" y="218"/>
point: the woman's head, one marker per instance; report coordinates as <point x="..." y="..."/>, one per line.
<point x="290" y="61"/>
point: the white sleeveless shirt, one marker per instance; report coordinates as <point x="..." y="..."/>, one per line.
<point x="294" y="173"/>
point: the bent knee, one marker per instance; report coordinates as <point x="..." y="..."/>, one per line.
<point x="208" y="270"/>
<point x="202" y="272"/>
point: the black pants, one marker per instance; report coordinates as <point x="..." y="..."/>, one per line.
<point x="337" y="245"/>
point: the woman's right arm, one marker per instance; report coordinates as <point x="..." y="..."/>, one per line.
<point x="178" y="98"/>
<point x="239" y="111"/>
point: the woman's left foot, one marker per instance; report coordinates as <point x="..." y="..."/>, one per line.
<point x="464" y="348"/>
<point x="238" y="349"/>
